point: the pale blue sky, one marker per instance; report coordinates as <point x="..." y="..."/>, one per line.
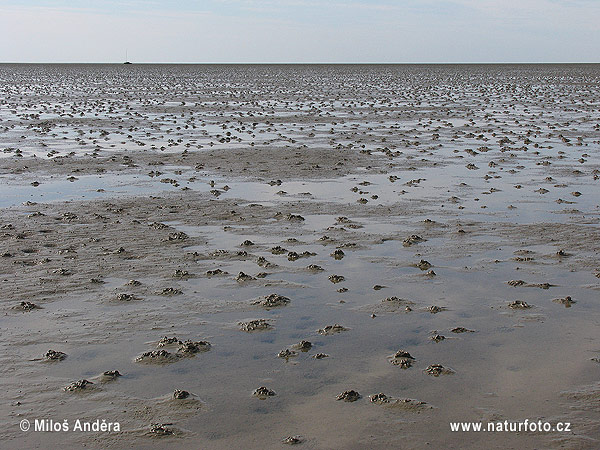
<point x="200" y="31"/>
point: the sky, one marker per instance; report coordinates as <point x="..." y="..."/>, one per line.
<point x="300" y="31"/>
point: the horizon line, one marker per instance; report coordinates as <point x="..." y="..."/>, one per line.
<point x="301" y="63"/>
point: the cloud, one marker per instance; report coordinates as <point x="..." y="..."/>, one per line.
<point x="303" y="31"/>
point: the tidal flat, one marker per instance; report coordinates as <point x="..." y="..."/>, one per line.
<point x="329" y="256"/>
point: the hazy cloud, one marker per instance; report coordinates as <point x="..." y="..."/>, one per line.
<point x="300" y="31"/>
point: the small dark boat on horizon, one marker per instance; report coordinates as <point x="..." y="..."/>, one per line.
<point x="127" y="57"/>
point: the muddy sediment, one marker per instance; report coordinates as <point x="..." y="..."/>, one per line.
<point x="144" y="224"/>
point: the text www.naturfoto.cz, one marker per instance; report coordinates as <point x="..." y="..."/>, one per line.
<point x="513" y="427"/>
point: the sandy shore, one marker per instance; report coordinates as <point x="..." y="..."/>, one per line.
<point x="450" y="212"/>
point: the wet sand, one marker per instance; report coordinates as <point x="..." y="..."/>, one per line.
<point x="451" y="212"/>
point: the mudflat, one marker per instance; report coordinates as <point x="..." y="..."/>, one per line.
<point x="329" y="256"/>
